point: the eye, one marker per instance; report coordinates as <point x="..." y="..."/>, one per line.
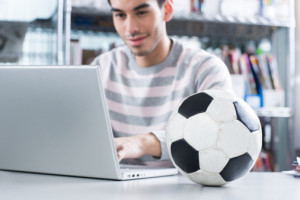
<point x="141" y="13"/>
<point x="120" y="15"/>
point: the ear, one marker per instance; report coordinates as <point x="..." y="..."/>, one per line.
<point x="169" y="10"/>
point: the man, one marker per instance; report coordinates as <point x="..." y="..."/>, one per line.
<point x="148" y="77"/>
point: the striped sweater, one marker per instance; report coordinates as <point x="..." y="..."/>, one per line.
<point x="141" y="100"/>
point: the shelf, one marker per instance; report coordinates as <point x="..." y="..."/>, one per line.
<point x="284" y="112"/>
<point x="89" y="11"/>
<point x="260" y="21"/>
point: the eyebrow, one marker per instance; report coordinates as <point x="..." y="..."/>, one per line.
<point x="143" y="5"/>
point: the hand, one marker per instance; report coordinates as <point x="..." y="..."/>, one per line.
<point x="137" y="146"/>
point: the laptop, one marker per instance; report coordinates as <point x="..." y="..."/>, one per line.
<point x="54" y="120"/>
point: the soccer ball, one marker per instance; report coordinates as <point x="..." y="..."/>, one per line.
<point x="214" y="137"/>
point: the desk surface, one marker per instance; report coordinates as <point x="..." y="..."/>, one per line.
<point x="253" y="186"/>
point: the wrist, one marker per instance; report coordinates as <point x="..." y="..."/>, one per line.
<point x="150" y="144"/>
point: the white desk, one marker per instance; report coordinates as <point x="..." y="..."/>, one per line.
<point x="253" y="186"/>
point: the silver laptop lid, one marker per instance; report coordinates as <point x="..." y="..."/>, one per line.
<point x="54" y="120"/>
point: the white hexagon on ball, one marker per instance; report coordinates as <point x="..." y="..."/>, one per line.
<point x="222" y="111"/>
<point x="212" y="160"/>
<point x="255" y="144"/>
<point x="175" y="127"/>
<point x="201" y="131"/>
<point x="206" y="178"/>
<point x="234" y="138"/>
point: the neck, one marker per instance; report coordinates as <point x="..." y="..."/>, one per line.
<point x="158" y="55"/>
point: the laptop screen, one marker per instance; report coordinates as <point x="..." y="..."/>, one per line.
<point x="53" y="119"/>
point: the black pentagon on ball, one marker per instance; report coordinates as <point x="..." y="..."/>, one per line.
<point x="237" y="167"/>
<point x="246" y="116"/>
<point x="185" y="156"/>
<point x="197" y="103"/>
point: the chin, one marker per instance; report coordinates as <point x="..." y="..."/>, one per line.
<point x="141" y="54"/>
<point x="139" y="51"/>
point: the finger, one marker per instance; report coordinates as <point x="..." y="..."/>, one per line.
<point x="118" y="144"/>
<point x="121" y="154"/>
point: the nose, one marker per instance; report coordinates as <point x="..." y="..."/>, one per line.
<point x="132" y="26"/>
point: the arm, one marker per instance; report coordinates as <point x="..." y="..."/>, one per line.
<point x="216" y="76"/>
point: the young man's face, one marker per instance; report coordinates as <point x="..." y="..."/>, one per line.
<point x="140" y="23"/>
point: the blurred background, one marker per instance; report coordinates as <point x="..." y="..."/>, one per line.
<point x="257" y="39"/>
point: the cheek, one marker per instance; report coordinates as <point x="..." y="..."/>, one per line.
<point x="157" y="29"/>
<point x="119" y="28"/>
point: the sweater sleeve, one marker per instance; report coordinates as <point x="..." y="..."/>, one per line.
<point x="213" y="74"/>
<point x="161" y="136"/>
<point x="96" y="61"/>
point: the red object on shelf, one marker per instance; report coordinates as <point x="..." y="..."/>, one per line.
<point x="297" y="168"/>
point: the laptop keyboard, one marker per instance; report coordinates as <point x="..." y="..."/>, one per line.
<point x="130" y="167"/>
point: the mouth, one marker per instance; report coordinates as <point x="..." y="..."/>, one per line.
<point x="137" y="41"/>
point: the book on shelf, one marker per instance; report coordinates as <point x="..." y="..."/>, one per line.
<point x="256" y="72"/>
<point x="264" y="162"/>
<point x="273" y="72"/>
<point x="262" y="83"/>
<point x="196" y="5"/>
<point x="266" y="76"/>
<point x="247" y="74"/>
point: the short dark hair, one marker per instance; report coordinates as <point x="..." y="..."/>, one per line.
<point x="160" y="2"/>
